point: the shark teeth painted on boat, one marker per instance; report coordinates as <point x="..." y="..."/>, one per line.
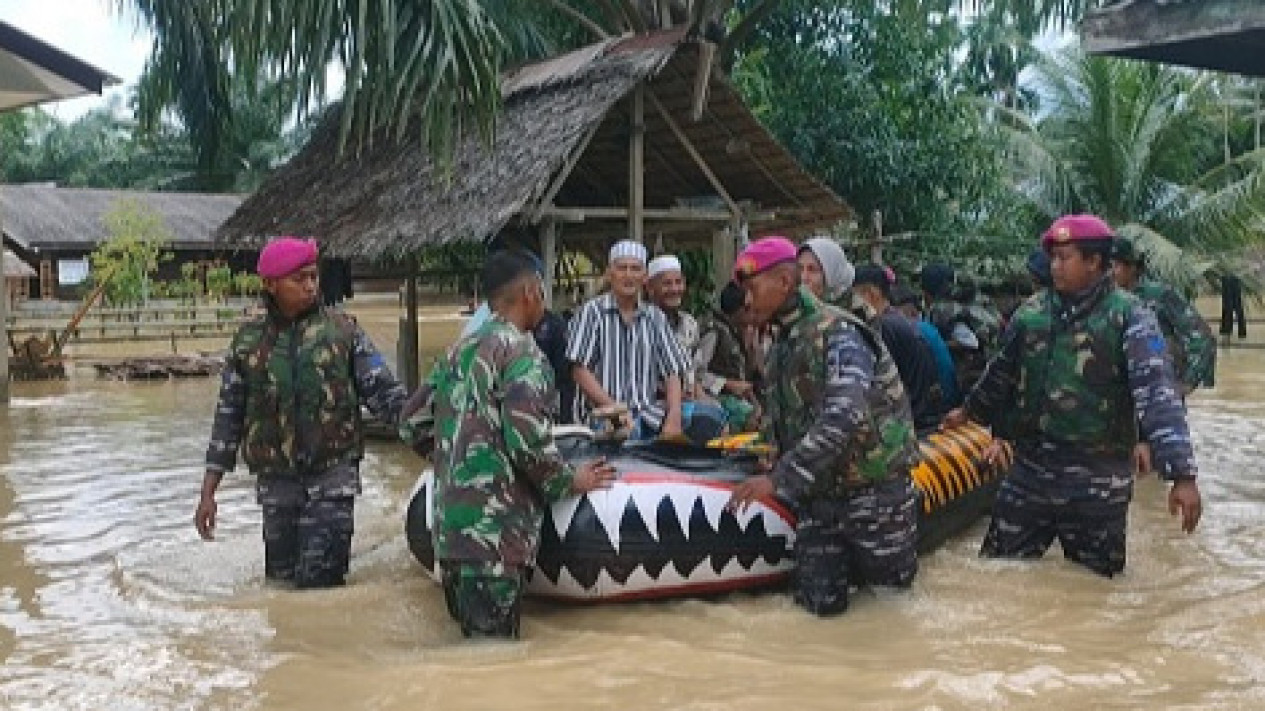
<point x="650" y="533"/>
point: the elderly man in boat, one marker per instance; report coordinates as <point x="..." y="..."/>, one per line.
<point x="626" y="356"/>
<point x="841" y="424"/>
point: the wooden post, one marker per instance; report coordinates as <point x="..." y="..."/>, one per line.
<point x="549" y="254"/>
<point x="876" y="247"/>
<point x="725" y="244"/>
<point x="637" y="167"/>
<point x="408" y="347"/>
<point x="4" y="331"/>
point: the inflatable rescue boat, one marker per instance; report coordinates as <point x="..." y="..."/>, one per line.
<point x="662" y="529"/>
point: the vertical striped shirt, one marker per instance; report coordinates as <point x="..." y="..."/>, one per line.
<point x="630" y="360"/>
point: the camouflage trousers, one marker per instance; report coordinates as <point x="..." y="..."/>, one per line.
<point x="867" y="538"/>
<point x="484" y="598"/>
<point x="1084" y="504"/>
<point x="310" y="544"/>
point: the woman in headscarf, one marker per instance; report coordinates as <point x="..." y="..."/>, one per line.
<point x="825" y="270"/>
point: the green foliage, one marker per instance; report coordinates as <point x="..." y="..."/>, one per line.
<point x="219" y="282"/>
<point x="454" y="265"/>
<point x="106" y="148"/>
<point x="1134" y="143"/>
<point x="438" y="59"/>
<point x="696" y="265"/>
<point x="247" y="284"/>
<point x="131" y="253"/>
<point x="869" y="98"/>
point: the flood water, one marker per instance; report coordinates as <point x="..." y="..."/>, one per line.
<point x="109" y="600"/>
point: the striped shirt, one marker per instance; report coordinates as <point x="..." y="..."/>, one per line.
<point x="630" y="361"/>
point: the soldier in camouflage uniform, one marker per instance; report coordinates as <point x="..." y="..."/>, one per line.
<point x="290" y="398"/>
<point x="721" y="360"/>
<point x="1191" y="345"/>
<point x="1080" y="373"/>
<point x="956" y="324"/>
<point x="839" y="419"/>
<point x="487" y="412"/>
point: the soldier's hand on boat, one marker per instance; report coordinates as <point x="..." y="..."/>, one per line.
<point x="954" y="418"/>
<point x="1184" y="498"/>
<point x="995" y="452"/>
<point x="751" y="489"/>
<point x="1141" y="458"/>
<point x="593" y="475"/>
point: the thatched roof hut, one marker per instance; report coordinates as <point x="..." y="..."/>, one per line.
<point x="40" y="218"/>
<point x="56" y="228"/>
<point x="1226" y="35"/>
<point x="564" y="157"/>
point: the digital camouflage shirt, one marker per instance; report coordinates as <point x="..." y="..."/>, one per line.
<point x="487" y="412"/>
<point x="1084" y="375"/>
<point x="290" y="396"/>
<point x="837" y="412"/>
<point x="1190" y="341"/>
<point x="720" y="356"/>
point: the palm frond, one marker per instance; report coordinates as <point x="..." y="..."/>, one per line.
<point x="438" y="59"/>
<point x="1182" y="269"/>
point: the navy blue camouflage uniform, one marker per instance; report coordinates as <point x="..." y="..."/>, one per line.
<point x="839" y="417"/>
<point x="290" y="397"/>
<point x="1077" y="380"/>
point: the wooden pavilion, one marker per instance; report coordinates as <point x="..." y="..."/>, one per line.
<point x="640" y="136"/>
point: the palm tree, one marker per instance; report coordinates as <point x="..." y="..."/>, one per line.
<point x="1139" y="144"/>
<point x="437" y="60"/>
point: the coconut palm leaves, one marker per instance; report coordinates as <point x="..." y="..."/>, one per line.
<point x="437" y="59"/>
<point x="1131" y="142"/>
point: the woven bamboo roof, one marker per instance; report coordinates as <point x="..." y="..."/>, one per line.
<point x="391" y="199"/>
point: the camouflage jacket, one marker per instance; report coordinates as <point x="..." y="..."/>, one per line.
<point x="487" y="413"/>
<point x="720" y="356"/>
<point x="836" y="410"/>
<point x="1190" y="341"/>
<point x="943" y="314"/>
<point x="985" y="320"/>
<point x="1074" y="374"/>
<point x="290" y="395"/>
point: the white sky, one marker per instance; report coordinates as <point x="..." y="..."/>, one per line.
<point x="90" y="30"/>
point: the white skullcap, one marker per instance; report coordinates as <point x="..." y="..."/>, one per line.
<point x="628" y="249"/>
<point x="664" y="263"/>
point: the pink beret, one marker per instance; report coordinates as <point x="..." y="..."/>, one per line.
<point x="762" y="255"/>
<point x="285" y="255"/>
<point x="1076" y="228"/>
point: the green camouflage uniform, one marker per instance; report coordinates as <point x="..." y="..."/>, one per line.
<point x="1190" y="341"/>
<point x="839" y="417"/>
<point x="487" y="411"/>
<point x="720" y="358"/>
<point x="944" y="314"/>
<point x="290" y="397"/>
<point x="1076" y="380"/>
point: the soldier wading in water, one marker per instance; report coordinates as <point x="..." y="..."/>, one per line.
<point x="485" y="416"/>
<point x="1080" y="374"/>
<point x="839" y="418"/>
<point x="290" y="398"/>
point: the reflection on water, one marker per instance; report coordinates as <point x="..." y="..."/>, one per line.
<point x="108" y="598"/>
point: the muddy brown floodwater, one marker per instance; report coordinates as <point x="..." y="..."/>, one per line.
<point x="109" y="600"/>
